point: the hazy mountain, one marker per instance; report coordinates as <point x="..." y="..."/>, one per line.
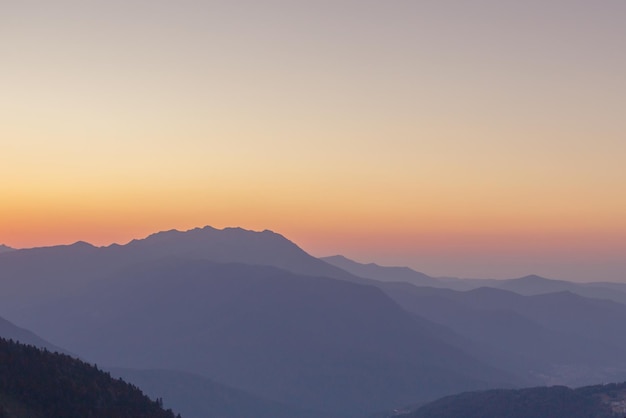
<point x="180" y="301"/>
<point x="314" y="342"/>
<point x="383" y="273"/>
<point x="195" y="396"/>
<point x="29" y="277"/>
<point x="10" y="331"/>
<point x="601" y="401"/>
<point x="231" y="245"/>
<point x="40" y="384"/>
<point x="5" y="249"/>
<point x="559" y="337"/>
<point x="535" y="285"/>
<point x="527" y="285"/>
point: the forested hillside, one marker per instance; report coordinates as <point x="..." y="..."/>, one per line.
<point x="599" y="401"/>
<point x="41" y="384"/>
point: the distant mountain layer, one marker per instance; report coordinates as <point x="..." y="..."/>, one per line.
<point x="551" y="338"/>
<point x="195" y="396"/>
<point x="40" y="384"/>
<point x="31" y="276"/>
<point x="11" y="331"/>
<point x="383" y="273"/>
<point x="527" y="285"/>
<point x="5" y="249"/>
<point x="602" y="401"/>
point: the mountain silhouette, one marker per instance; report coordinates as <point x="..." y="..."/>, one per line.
<point x="527" y="285"/>
<point x="255" y="312"/>
<point x="29" y="277"/>
<point x="232" y="245"/>
<point x="383" y="273"/>
<point x="536" y="285"/>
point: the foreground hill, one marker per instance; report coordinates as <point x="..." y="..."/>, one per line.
<point x="315" y="342"/>
<point x="40" y="384"/>
<point x="601" y="401"/>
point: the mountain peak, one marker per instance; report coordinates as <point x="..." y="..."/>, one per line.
<point x="534" y="278"/>
<point x="232" y="245"/>
<point x="5" y="248"/>
<point x="82" y="244"/>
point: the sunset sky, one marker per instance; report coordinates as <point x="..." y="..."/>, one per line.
<point x="461" y="138"/>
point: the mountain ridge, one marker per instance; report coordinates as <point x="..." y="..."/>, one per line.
<point x="311" y="341"/>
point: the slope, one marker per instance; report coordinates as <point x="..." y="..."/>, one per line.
<point x="35" y="383"/>
<point x="382" y="273"/>
<point x="601" y="401"/>
<point x="311" y="341"/>
<point x="560" y="337"/>
<point x="196" y="396"/>
<point x="10" y="331"/>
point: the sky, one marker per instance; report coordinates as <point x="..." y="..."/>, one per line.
<point x="461" y="138"/>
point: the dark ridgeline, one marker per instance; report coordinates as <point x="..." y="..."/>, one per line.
<point x="37" y="383"/>
<point x="600" y="401"/>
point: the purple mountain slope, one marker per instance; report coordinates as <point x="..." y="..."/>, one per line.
<point x="315" y="342"/>
<point x="557" y="337"/>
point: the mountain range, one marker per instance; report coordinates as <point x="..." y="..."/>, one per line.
<point x="250" y="316"/>
<point x="527" y="285"/>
